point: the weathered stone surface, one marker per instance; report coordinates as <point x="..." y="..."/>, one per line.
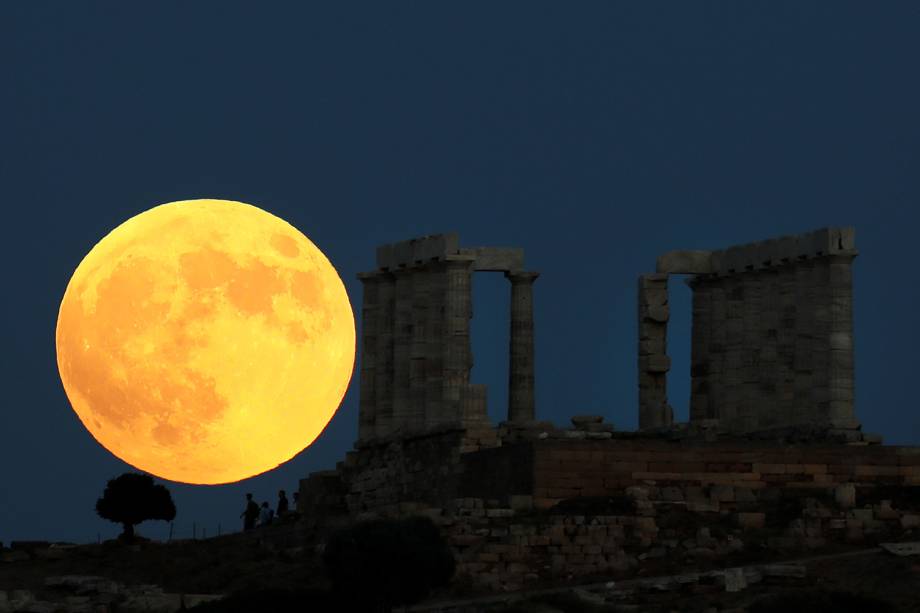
<point x="751" y="521"/>
<point x="845" y="495"/>
<point x="685" y="262"/>
<point x="735" y="580"/>
<point x="902" y="549"/>
<point x="772" y="335"/>
<point x="581" y="420"/>
<point x="655" y="363"/>
<point x="658" y="312"/>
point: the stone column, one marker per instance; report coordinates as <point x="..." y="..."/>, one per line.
<point x="654" y="363"/>
<point x="701" y="328"/>
<point x="383" y="372"/>
<point x="434" y="340"/>
<point x="418" y="351"/>
<point x="786" y="339"/>
<point x="456" y="342"/>
<point x="730" y="415"/>
<point x="521" y="406"/>
<point x="751" y="313"/>
<point x="368" y="399"/>
<point x="841" y="380"/>
<point x="402" y="340"/>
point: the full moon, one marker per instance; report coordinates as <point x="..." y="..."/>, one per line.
<point x="205" y="341"/>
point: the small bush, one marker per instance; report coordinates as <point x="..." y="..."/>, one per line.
<point x="378" y="564"/>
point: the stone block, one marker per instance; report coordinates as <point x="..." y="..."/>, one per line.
<point x="744" y="494"/>
<point x="732" y="260"/>
<point x="653" y="296"/>
<point x="841" y="341"/>
<point x="751" y="521"/>
<point x="652" y="280"/>
<point x="654" y="363"/>
<point x="498" y="259"/>
<point x="658" y="313"/>
<point x="581" y="420"/>
<point x="685" y="262"/>
<point x="910" y="520"/>
<point x="521" y="502"/>
<point x="722" y="493"/>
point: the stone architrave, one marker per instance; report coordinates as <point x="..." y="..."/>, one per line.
<point x="521" y="403"/>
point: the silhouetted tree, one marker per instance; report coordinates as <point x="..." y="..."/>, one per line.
<point x="379" y="564"/>
<point x="132" y="498"/>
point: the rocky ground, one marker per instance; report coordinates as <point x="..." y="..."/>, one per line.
<point x="164" y="577"/>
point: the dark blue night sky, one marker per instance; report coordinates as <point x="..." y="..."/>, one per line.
<point x="595" y="135"/>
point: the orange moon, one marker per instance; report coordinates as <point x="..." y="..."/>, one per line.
<point x="205" y="341"/>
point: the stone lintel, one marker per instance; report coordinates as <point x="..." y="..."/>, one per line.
<point x="685" y="262"/>
<point x="782" y="250"/>
<point x="498" y="259"/>
<point x="417" y="250"/>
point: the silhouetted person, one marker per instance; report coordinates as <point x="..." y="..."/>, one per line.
<point x="265" y="516"/>
<point x="250" y="513"/>
<point x="282" y="504"/>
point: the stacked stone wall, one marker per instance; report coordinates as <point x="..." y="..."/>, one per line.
<point x="772" y="337"/>
<point x="597" y="468"/>
<point x="774" y="347"/>
<point x="393" y="476"/>
<point x="553" y="511"/>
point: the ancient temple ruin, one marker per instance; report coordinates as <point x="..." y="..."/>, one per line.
<point x="415" y="346"/>
<point x="772" y="334"/>
<point x="772" y="456"/>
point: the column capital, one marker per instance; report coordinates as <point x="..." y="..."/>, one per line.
<point x="459" y="260"/>
<point x="520" y="276"/>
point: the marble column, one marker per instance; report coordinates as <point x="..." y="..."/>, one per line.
<point x="457" y="351"/>
<point x="418" y="349"/>
<point x="368" y="397"/>
<point x="840" y="363"/>
<point x="521" y="407"/>
<point x="434" y="340"/>
<point x="701" y="328"/>
<point x="383" y="371"/>
<point x="654" y="363"/>
<point x="402" y="341"/>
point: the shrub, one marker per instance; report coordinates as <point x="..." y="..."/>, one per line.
<point x="379" y="564"/>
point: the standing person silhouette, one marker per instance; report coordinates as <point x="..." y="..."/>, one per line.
<point x="282" y="505"/>
<point x="265" y="516"/>
<point x="250" y="513"/>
